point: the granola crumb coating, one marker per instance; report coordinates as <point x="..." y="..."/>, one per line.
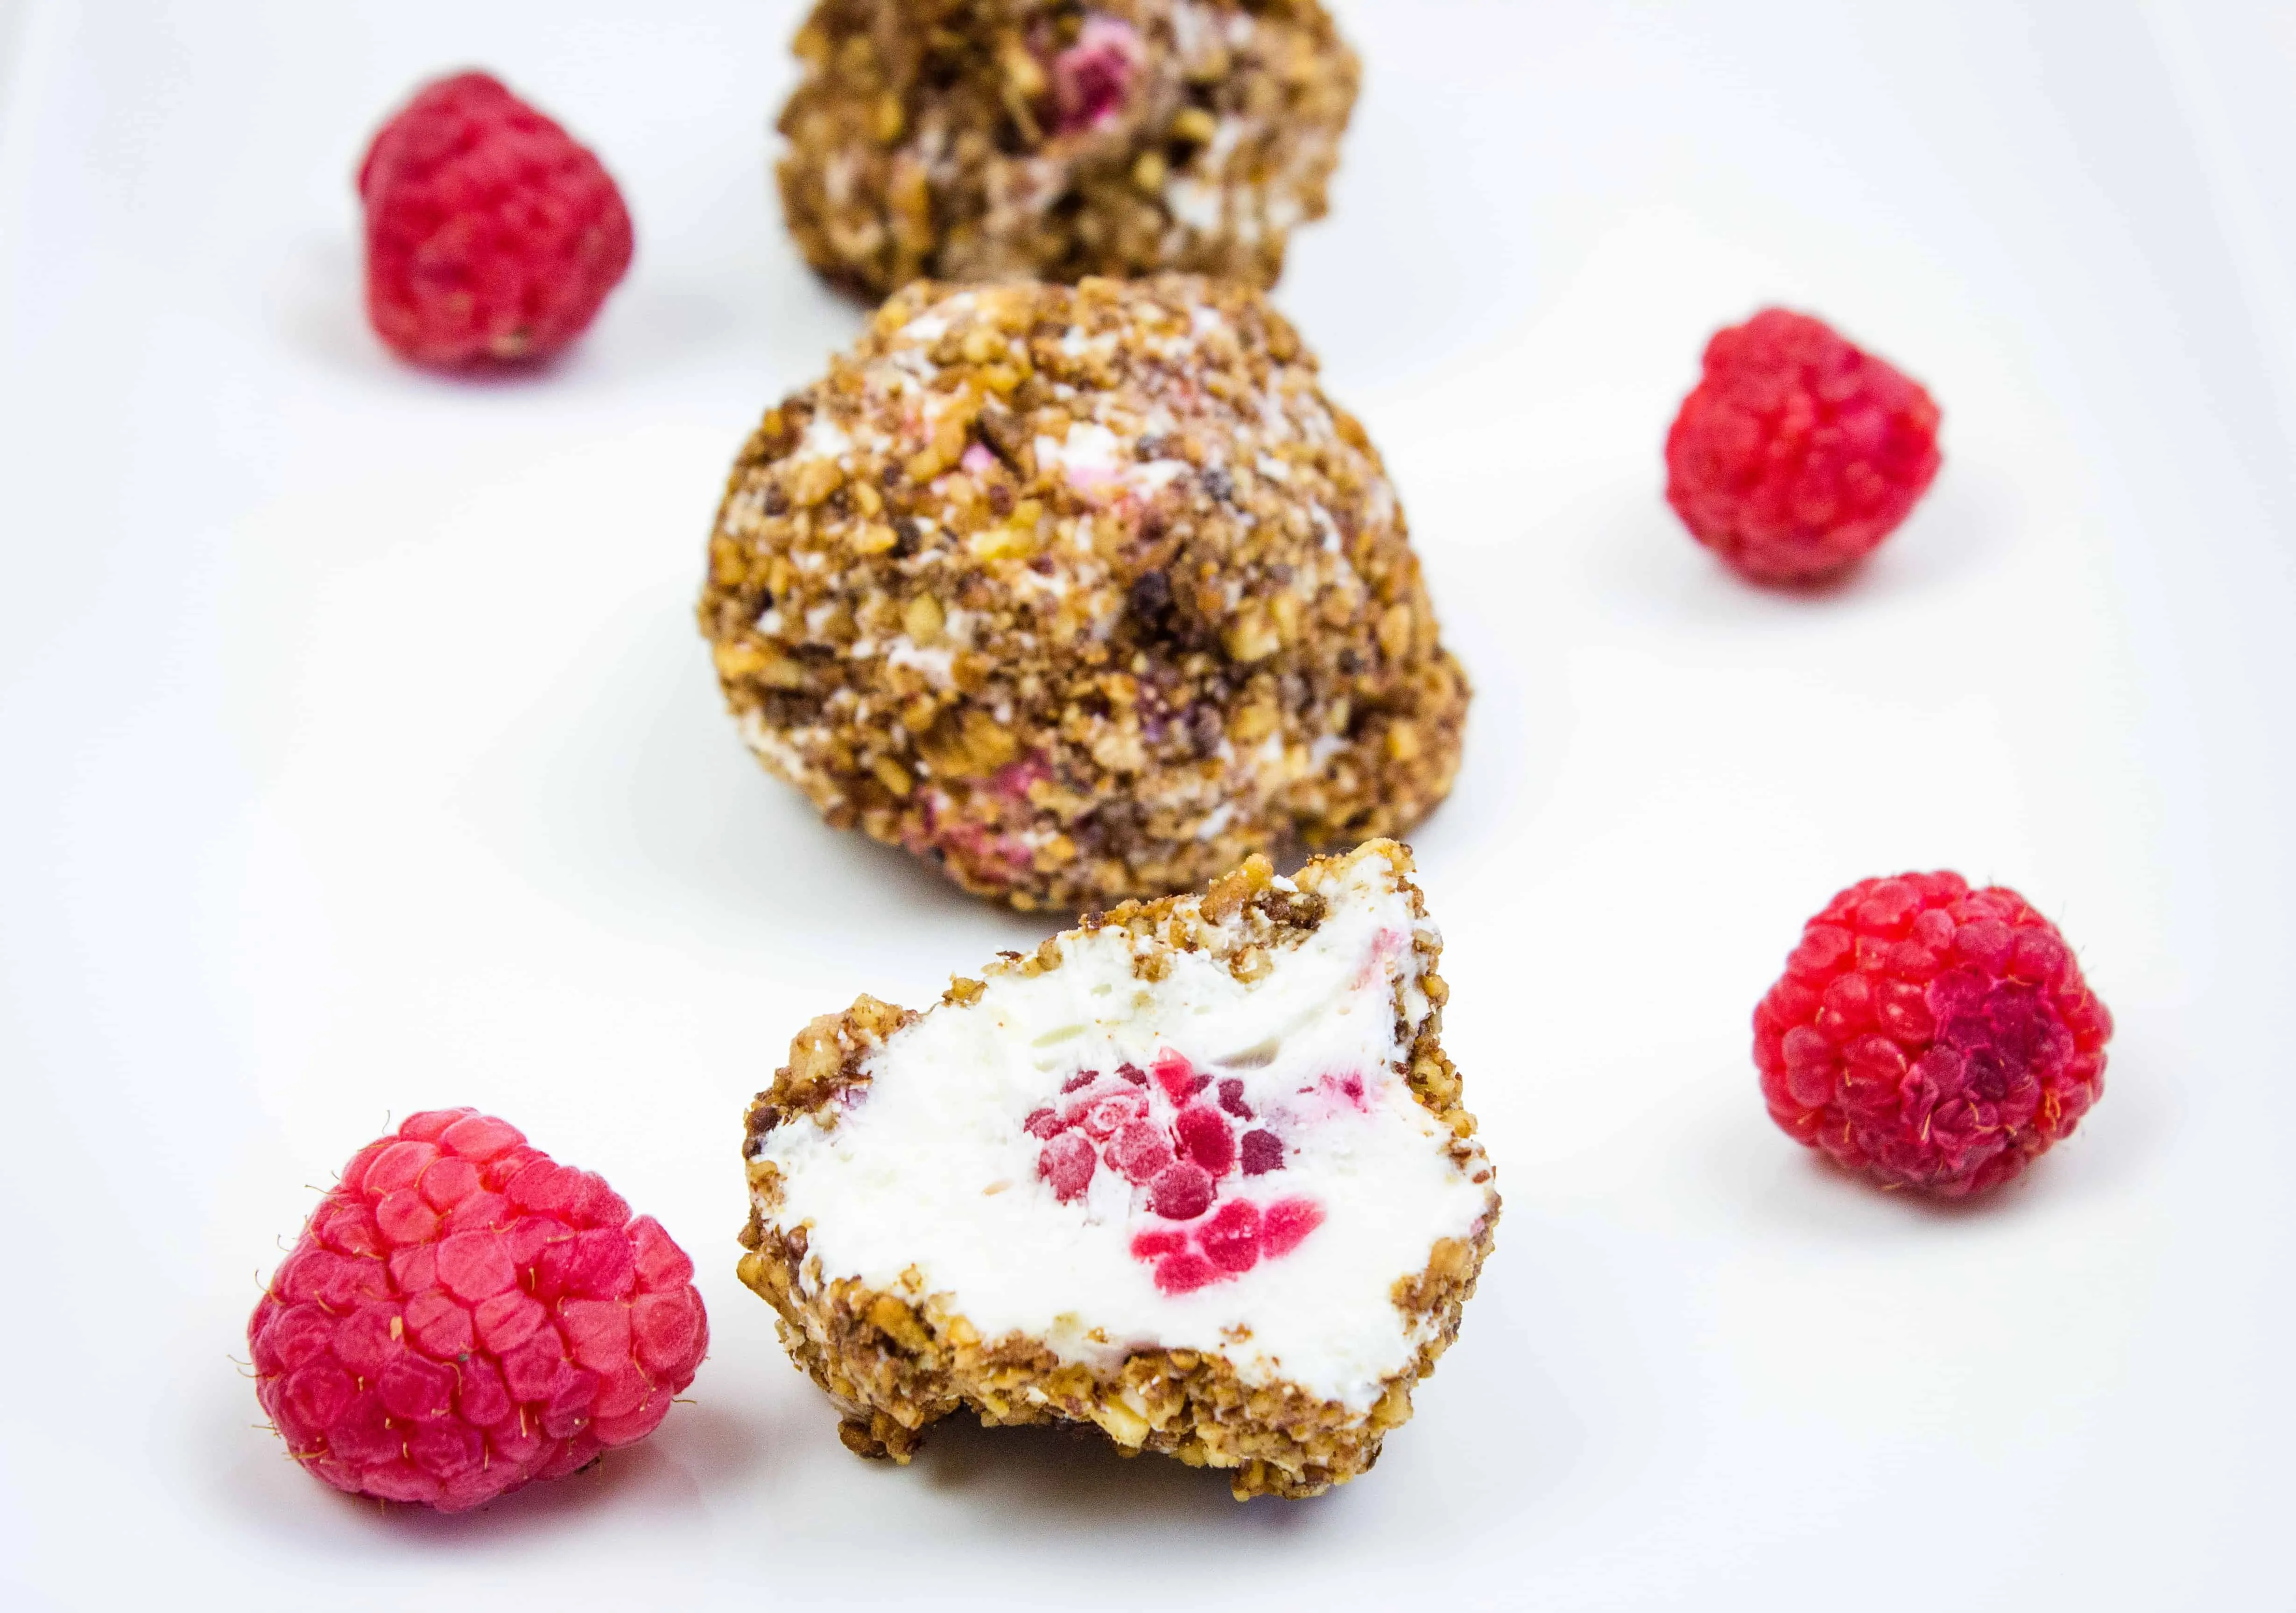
<point x="1044" y="139"/>
<point x="895" y="1361"/>
<point x="1086" y="593"/>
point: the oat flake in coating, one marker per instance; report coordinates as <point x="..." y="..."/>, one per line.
<point x="1086" y="593"/>
<point x="1043" y="139"/>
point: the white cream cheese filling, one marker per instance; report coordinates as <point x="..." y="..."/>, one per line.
<point x="932" y="1167"/>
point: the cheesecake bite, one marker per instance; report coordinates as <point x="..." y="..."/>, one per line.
<point x="1044" y="139"/>
<point x="1196" y="1172"/>
<point x="1083" y="594"/>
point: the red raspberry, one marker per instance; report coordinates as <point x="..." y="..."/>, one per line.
<point x="1180" y="1079"/>
<point x="1230" y="1240"/>
<point x="1286" y="1224"/>
<point x="1068" y="1162"/>
<point x="1185" y="1272"/>
<point x="1205" y="1138"/>
<point x="1093" y="78"/>
<point x="1140" y="1151"/>
<point x="1931" y="1035"/>
<point x="1796" y="452"/>
<point x="1155" y="1246"/>
<point x="1263" y="1151"/>
<point x="1105" y="1114"/>
<point x="1181" y="1191"/>
<point x="460" y="1315"/>
<point x="491" y="236"/>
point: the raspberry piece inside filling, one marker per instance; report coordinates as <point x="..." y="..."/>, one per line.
<point x="1140" y="1151"/>
<point x="1287" y="1223"/>
<point x="1093" y="77"/>
<point x="1263" y="1151"/>
<point x="1068" y="1162"/>
<point x="1185" y="1272"/>
<point x="1231" y="1239"/>
<point x="1154" y="1245"/>
<point x="1181" y="1191"/>
<point x="1177" y="1156"/>
<point x="1205" y="1138"/>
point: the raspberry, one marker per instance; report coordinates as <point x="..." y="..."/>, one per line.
<point x="1230" y="1240"/>
<point x="1285" y="1225"/>
<point x="1140" y="1151"/>
<point x="1181" y="1191"/>
<point x="1205" y="1138"/>
<point x="462" y="1314"/>
<point x="1068" y="1162"/>
<point x="491" y="236"/>
<point x="1092" y="80"/>
<point x="1108" y="1113"/>
<point x="1263" y="1151"/>
<point x="1156" y="1245"/>
<point x="1231" y="1099"/>
<point x="1186" y="1271"/>
<point x="1797" y="453"/>
<point x="1179" y="1078"/>
<point x="1931" y="1035"/>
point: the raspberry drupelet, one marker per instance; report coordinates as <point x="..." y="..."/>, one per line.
<point x="462" y="1314"/>
<point x="1797" y="453"/>
<point x="1931" y="1035"/>
<point x="492" y="237"/>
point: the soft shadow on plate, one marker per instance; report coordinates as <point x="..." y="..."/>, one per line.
<point x="1518" y="731"/>
<point x="264" y="1489"/>
<point x="1642" y="564"/>
<point x="626" y="792"/>
<point x="1738" y="1164"/>
<point x="1051" y="1480"/>
<point x="647" y="325"/>
<point x="1505" y="1429"/>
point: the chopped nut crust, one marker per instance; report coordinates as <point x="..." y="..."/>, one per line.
<point x="895" y="1362"/>
<point x="1086" y="593"/>
<point x="1044" y="139"/>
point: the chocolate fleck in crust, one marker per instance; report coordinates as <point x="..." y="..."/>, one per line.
<point x="1043" y="139"/>
<point x="1085" y="592"/>
<point x="897" y="1359"/>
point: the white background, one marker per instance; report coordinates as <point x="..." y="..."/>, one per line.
<point x="357" y="755"/>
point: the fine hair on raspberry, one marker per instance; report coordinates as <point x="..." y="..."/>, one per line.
<point x="1930" y="1036"/>
<point x="1798" y="451"/>
<point x="462" y="1314"/>
<point x="492" y="236"/>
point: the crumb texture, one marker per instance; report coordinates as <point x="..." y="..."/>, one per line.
<point x="1196" y="1173"/>
<point x="1041" y="139"/>
<point x="1083" y="594"/>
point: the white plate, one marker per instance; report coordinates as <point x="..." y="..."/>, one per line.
<point x="360" y="755"/>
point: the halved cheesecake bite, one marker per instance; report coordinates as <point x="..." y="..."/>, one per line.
<point x="1196" y="1171"/>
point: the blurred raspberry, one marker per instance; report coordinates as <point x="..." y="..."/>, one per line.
<point x="460" y="1315"/>
<point x="491" y="236"/>
<point x="1093" y="78"/>
<point x="1797" y="454"/>
<point x="1931" y="1035"/>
